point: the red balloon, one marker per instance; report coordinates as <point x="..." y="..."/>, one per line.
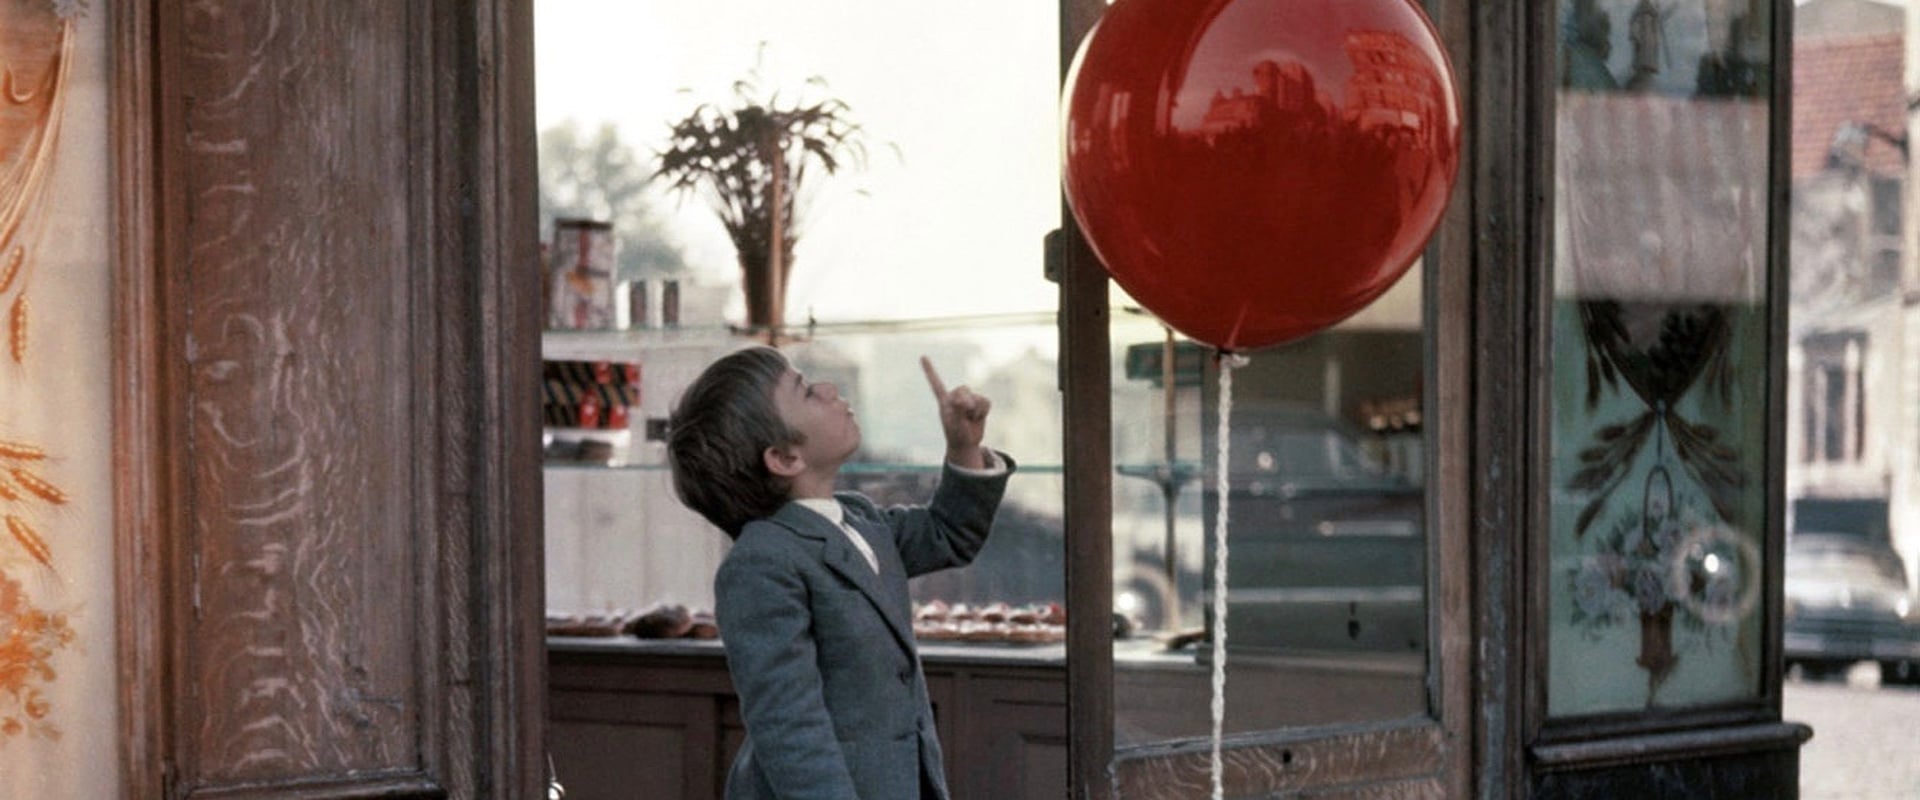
<point x="1254" y="171"/>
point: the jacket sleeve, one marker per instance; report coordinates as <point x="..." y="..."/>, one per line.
<point x="762" y="610"/>
<point x="950" y="530"/>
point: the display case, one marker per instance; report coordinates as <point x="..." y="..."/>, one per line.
<point x="639" y="694"/>
<point x="619" y="541"/>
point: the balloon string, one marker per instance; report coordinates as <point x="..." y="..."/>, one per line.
<point x="1228" y="361"/>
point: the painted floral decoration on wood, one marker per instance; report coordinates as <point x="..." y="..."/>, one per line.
<point x="29" y="634"/>
<point x="26" y="661"/>
<point x="36" y="55"/>
<point x="36" y="52"/>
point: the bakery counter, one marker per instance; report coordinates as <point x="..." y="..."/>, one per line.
<point x="633" y="717"/>
<point x="932" y="654"/>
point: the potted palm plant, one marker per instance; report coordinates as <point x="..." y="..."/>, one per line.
<point x="751" y="159"/>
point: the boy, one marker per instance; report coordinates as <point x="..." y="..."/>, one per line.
<point x="812" y="599"/>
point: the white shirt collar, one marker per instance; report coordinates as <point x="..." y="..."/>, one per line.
<point x="830" y="508"/>
<point x="826" y="507"/>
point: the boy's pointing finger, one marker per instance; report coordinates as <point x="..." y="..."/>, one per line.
<point x="933" y="379"/>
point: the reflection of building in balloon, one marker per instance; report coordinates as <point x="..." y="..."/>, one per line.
<point x="1278" y="87"/>
<point x="1394" y="89"/>
<point x="1287" y="87"/>
<point x="1393" y="94"/>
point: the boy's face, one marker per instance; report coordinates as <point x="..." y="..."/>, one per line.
<point x="821" y="415"/>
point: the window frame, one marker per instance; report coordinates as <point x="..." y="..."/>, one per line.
<point x="1587" y="740"/>
<point x="1430" y="752"/>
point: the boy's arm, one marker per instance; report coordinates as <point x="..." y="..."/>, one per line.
<point x="950" y="530"/>
<point x="761" y="608"/>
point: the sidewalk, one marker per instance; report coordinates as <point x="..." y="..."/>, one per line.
<point x="1863" y="745"/>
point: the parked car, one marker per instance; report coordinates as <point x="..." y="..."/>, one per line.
<point x="1328" y="544"/>
<point x="1847" y="601"/>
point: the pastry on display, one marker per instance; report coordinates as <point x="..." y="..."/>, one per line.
<point x="991" y="623"/>
<point x="704" y="626"/>
<point x="936" y="610"/>
<point x="1036" y="633"/>
<point x="607" y="624"/>
<point x="663" y="621"/>
<point x="936" y="630"/>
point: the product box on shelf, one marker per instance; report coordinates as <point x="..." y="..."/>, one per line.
<point x="580" y="275"/>
<point x="588" y="407"/>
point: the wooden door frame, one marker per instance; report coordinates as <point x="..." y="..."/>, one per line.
<point x="481" y="719"/>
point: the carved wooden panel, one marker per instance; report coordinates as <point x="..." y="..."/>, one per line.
<point x="1393" y="762"/>
<point x="300" y="610"/>
<point x="1021" y="749"/>
<point x="632" y="719"/>
<point x="331" y="585"/>
<point x="654" y="745"/>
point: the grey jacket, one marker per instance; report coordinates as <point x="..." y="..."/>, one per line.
<point x="821" y="649"/>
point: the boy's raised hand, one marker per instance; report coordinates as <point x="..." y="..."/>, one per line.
<point x="963" y="418"/>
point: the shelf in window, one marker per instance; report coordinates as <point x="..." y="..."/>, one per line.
<point x="638" y="334"/>
<point x="614" y="344"/>
<point x="601" y="466"/>
<point x="848" y="469"/>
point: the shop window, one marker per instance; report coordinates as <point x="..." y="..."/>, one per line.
<point x="1272" y="549"/>
<point x="1886" y="206"/>
<point x="928" y="241"/>
<point x="937" y="250"/>
<point x="1327" y="533"/>
<point x="1883" y="240"/>
<point x="1658" y="359"/>
<point x="1835" y="398"/>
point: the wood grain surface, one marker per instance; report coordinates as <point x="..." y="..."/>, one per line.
<point x="332" y="586"/>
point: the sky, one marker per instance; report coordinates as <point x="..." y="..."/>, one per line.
<point x="966" y="92"/>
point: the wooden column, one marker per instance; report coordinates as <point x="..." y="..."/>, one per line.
<point x="326" y="347"/>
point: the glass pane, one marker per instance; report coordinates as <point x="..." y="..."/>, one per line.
<point x="932" y="243"/>
<point x="943" y="216"/>
<point x="1022" y="565"/>
<point x="1659" y="355"/>
<point x="1326" y="621"/>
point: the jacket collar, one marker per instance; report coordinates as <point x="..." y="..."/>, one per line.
<point x="840" y="556"/>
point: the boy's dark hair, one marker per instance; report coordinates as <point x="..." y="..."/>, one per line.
<point x="717" y="436"/>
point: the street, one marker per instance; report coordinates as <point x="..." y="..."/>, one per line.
<point x="1863" y="745"/>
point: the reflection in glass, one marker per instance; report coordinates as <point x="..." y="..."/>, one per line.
<point x="1326" y="592"/>
<point x="1659" y="354"/>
